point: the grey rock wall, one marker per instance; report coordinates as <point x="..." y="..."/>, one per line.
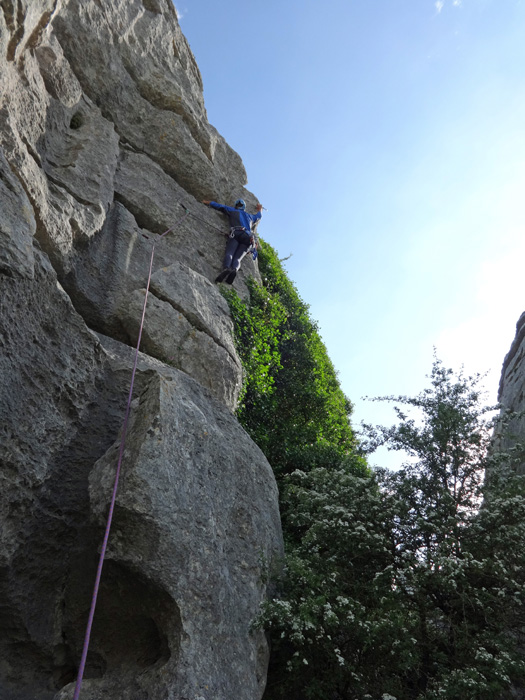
<point x="103" y="136"/>
<point x="511" y="394"/>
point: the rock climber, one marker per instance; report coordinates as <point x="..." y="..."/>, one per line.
<point x="241" y="237"/>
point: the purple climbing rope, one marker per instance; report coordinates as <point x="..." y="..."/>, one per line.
<point x="82" y="666"/>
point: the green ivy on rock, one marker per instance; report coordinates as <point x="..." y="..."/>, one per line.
<point x="291" y="398"/>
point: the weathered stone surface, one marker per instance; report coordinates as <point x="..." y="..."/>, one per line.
<point x="198" y="300"/>
<point x="183" y="449"/>
<point x="169" y="336"/>
<point x="157" y="202"/>
<point x="195" y="520"/>
<point x="188" y="324"/>
<point x="511" y="393"/>
<point x="80" y="157"/>
<point x="17" y="225"/>
<point x="59" y="79"/>
<point x="103" y="134"/>
<point x="65" y="158"/>
<point x="24" y="22"/>
<point x="152" y="90"/>
<point x="104" y="273"/>
<point x="512" y="381"/>
<point x="60" y="411"/>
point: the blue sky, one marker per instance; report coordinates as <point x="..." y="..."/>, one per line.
<point x="386" y="138"/>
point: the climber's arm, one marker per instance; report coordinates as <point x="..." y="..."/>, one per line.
<point x="220" y="207"/>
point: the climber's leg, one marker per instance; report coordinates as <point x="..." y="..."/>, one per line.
<point x="238" y="256"/>
<point x="230" y="253"/>
<point x="236" y="262"/>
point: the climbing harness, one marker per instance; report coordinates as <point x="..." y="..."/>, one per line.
<point x="81" y="668"/>
<point x="242" y="236"/>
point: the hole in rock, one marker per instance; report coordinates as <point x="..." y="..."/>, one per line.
<point x="137" y="624"/>
<point x="76" y="121"/>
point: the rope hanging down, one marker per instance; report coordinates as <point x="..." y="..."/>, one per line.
<point x="81" y="668"/>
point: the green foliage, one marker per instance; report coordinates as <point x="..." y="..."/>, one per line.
<point x="324" y="631"/>
<point x="406" y="585"/>
<point x="291" y="396"/>
<point x="258" y="329"/>
<point x="400" y="585"/>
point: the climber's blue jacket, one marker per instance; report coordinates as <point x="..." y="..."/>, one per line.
<point x="238" y="217"/>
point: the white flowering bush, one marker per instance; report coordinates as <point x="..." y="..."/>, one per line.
<point x="407" y="584"/>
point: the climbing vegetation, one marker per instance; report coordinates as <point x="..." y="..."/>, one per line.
<point x="291" y="396"/>
<point x="397" y="585"/>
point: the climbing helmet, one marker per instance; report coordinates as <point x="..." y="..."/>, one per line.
<point x="240" y="204"/>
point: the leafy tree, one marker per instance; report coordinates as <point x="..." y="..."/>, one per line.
<point x="326" y="637"/>
<point x="455" y="576"/>
<point x="407" y="584"/>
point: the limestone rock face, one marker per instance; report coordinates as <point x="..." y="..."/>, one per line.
<point x="17" y="225"/>
<point x="189" y="326"/>
<point x="196" y="516"/>
<point x="104" y="146"/>
<point x="511" y="393"/>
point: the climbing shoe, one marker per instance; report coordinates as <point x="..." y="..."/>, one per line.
<point x="222" y="275"/>
<point x="231" y="276"/>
